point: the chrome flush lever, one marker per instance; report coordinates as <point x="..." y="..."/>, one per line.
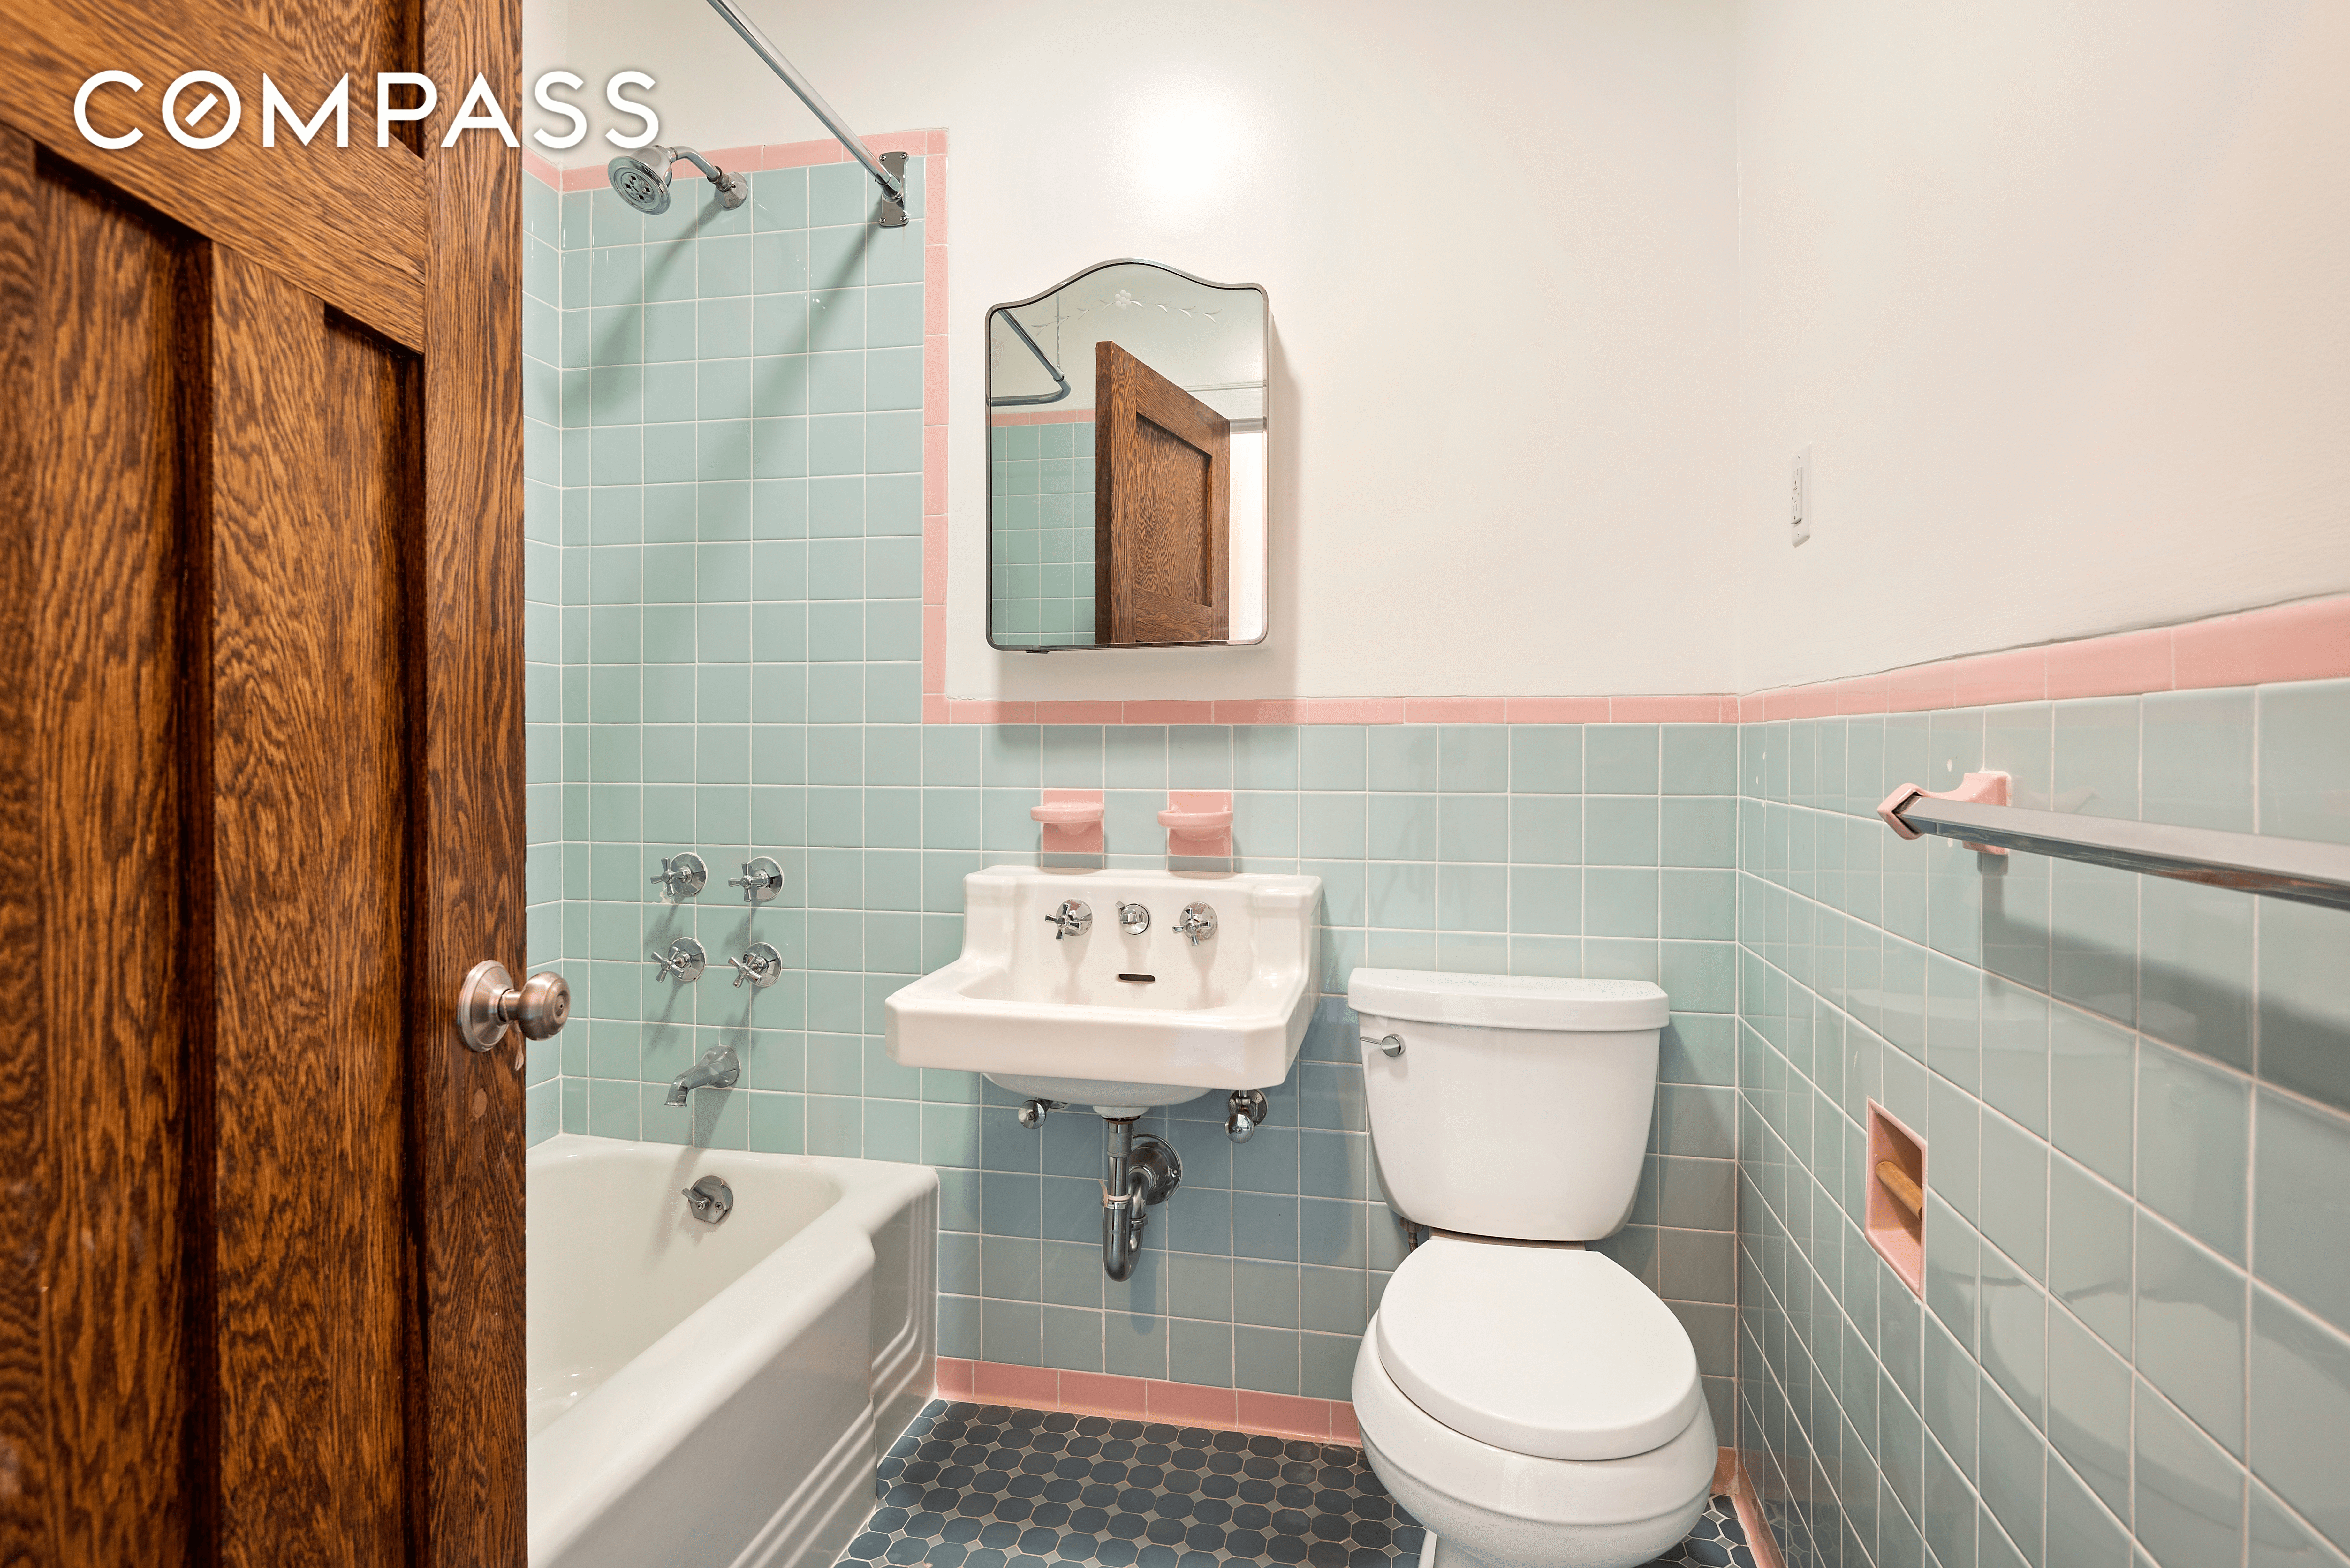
<point x="1073" y="919"/>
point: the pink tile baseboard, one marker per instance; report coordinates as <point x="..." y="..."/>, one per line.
<point x="1149" y="1399"/>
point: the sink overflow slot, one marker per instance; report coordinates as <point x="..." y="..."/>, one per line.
<point x="1140" y="979"/>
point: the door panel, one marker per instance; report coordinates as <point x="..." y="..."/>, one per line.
<point x="1163" y="507"/>
<point x="261" y="593"/>
<point x="99" y="384"/>
<point x="314" y="501"/>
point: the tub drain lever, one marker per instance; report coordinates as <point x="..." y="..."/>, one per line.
<point x="709" y="1200"/>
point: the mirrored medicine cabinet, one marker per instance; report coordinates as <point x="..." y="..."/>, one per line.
<point x="1125" y="463"/>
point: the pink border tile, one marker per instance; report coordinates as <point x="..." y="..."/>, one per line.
<point x="2120" y="666"/>
<point x="1096" y="1394"/>
<point x="1081" y="713"/>
<point x="1554" y="710"/>
<point x="2309" y="641"/>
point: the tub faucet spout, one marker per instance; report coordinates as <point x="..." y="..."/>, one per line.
<point x="719" y="1068"/>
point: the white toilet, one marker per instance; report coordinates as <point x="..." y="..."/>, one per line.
<point x="1531" y="1403"/>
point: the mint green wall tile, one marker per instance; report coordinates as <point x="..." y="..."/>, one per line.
<point x="2094" y="937"/>
<point x="2300" y="1193"/>
<point x="1403" y="826"/>
<point x="2195" y="975"/>
<point x="1472" y="757"/>
<point x="1951" y="1384"/>
<point x="1334" y="826"/>
<point x="1198" y="756"/>
<point x="1545" y="759"/>
<point x="2300" y="1405"/>
<point x="2193" y="1135"/>
<point x="1403" y="895"/>
<point x="1469" y="828"/>
<point x="1699" y="759"/>
<point x="2190" y="1499"/>
<point x="2093" y="1094"/>
<point x="2304" y="746"/>
<point x="1619" y="902"/>
<point x="1953" y="1134"/>
<point x="1265" y="756"/>
<point x="1621" y="759"/>
<point x="1403" y="757"/>
<point x="1701" y="831"/>
<point x="2011" y="1314"/>
<point x="2305" y="1007"/>
<point x="2089" y="1393"/>
<point x="2091" y="1251"/>
<point x="2196" y="770"/>
<point x="1954" y="1021"/>
<point x="1332" y="757"/>
<point x="1620" y="830"/>
<point x="1473" y="897"/>
<point x="2190" y="1330"/>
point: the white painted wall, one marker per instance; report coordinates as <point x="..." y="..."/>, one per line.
<point x="1500" y="248"/>
<point x="2056" y="292"/>
<point x="2060" y="294"/>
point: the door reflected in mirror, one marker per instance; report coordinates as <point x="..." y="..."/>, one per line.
<point x="1126" y="462"/>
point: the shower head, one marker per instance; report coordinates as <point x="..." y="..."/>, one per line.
<point x="643" y="178"/>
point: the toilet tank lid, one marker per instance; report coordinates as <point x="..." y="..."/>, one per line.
<point x="1508" y="1001"/>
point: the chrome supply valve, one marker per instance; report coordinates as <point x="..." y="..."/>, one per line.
<point x="684" y="962"/>
<point x="1032" y="1113"/>
<point x="1073" y="919"/>
<point x="1247" y="1108"/>
<point x="1133" y="918"/>
<point x="682" y="876"/>
<point x="761" y="880"/>
<point x="1198" y="923"/>
<point x="761" y="965"/>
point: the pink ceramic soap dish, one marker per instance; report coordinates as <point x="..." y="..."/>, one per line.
<point x="1072" y="822"/>
<point x="1199" y="822"/>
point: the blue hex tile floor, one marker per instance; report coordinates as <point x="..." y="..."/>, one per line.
<point x="986" y="1486"/>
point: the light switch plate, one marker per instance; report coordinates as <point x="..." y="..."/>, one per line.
<point x="1799" y="496"/>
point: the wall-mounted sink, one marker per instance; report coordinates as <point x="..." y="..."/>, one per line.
<point x="1088" y="1010"/>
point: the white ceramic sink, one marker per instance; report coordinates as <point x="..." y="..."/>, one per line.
<point x="1068" y="1018"/>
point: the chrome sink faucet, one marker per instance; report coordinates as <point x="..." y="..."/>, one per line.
<point x="1071" y="919"/>
<point x="719" y="1068"/>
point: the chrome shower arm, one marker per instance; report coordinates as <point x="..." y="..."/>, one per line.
<point x="893" y="186"/>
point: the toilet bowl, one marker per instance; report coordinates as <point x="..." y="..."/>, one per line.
<point x="1529" y="1401"/>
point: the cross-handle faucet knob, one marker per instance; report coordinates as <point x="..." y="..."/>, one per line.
<point x="1073" y="919"/>
<point x="761" y="880"/>
<point x="761" y="965"/>
<point x="489" y="1001"/>
<point x="1198" y="923"/>
<point x="684" y="962"/>
<point x="1133" y="918"/>
<point x="682" y="876"/>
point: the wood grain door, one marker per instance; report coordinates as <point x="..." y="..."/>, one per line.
<point x="261" y="1221"/>
<point x="1163" y="507"/>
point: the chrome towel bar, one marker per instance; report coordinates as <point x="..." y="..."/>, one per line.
<point x="2304" y="869"/>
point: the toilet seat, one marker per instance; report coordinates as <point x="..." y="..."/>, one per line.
<point x="1552" y="1353"/>
<point x="1471" y="1491"/>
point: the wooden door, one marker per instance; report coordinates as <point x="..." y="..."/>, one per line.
<point x="261" y="1244"/>
<point x="1163" y="507"/>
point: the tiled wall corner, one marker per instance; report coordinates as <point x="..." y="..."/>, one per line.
<point x="2131" y="1344"/>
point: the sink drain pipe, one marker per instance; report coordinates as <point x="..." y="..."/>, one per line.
<point x="1142" y="1173"/>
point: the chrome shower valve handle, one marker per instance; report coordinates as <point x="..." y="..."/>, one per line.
<point x="684" y="962"/>
<point x="762" y="965"/>
<point x="682" y="876"/>
<point x="761" y="880"/>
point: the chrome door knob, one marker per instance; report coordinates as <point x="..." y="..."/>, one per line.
<point x="489" y="1001"/>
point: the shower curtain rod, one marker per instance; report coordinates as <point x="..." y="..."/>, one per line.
<point x="889" y="173"/>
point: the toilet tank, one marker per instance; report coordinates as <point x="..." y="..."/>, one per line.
<point x="1518" y="1105"/>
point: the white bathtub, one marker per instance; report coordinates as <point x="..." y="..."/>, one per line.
<point x="715" y="1396"/>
